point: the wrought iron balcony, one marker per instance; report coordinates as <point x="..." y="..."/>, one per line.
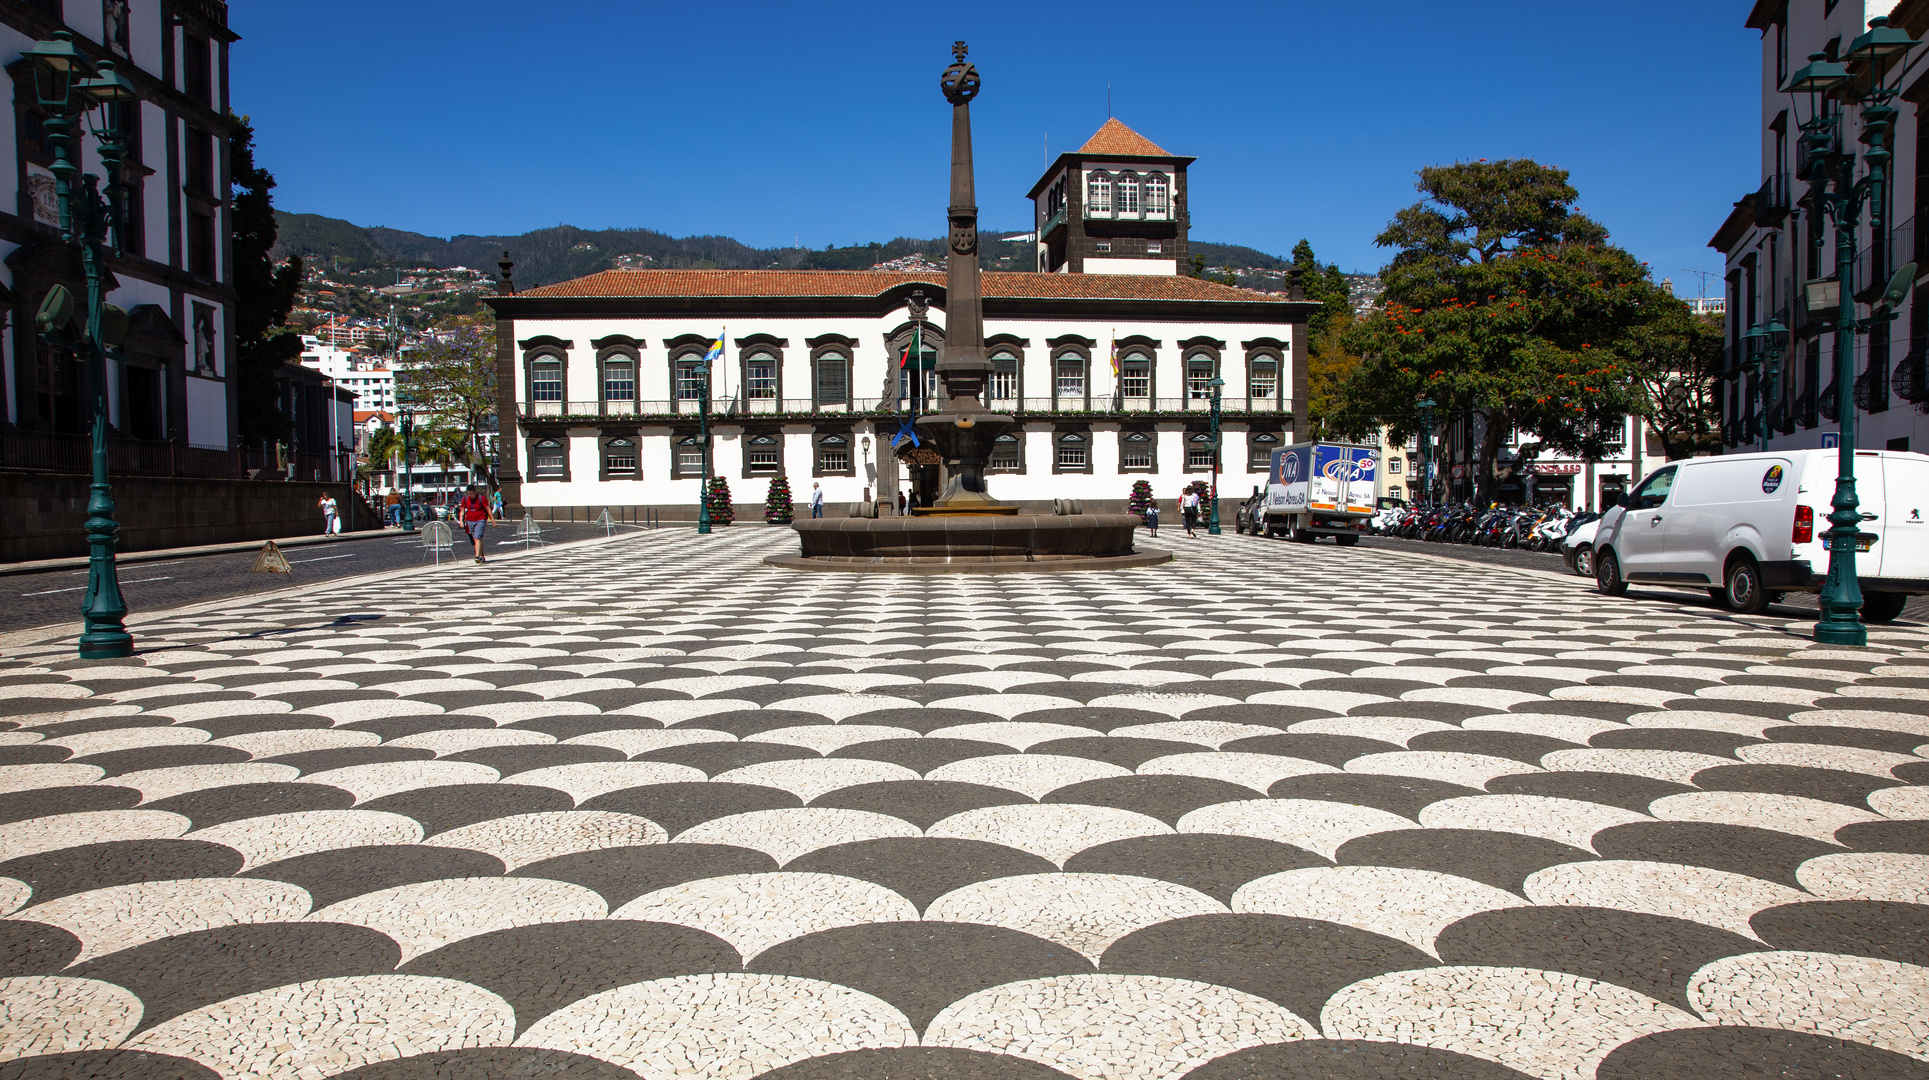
<point x="1051" y="223"/>
<point x="1911" y="381"/>
<point x="1881" y="257"/>
<point x="684" y="410"/>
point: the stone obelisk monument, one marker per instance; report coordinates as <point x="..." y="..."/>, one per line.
<point x="962" y="429"/>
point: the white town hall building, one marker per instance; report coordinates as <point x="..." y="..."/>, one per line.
<point x="1107" y="369"/>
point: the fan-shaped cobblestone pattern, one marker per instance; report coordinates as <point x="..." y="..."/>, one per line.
<point x="652" y="809"/>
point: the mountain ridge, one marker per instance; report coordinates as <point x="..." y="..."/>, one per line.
<point x="562" y="252"/>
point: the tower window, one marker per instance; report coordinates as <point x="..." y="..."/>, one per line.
<point x="1104" y="245"/>
<point x="1126" y="199"/>
<point x="1155" y="247"/>
<point x="1158" y="196"/>
<point x="1098" y="195"/>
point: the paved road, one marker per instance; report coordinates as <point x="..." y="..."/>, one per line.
<point x="53" y="597"/>
<point x="1797" y="606"/>
<point x="704" y="818"/>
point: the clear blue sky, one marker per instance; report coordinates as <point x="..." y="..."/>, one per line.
<point x="822" y="122"/>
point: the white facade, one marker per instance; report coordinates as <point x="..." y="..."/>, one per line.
<point x="607" y="412"/>
<point x="1773" y="244"/>
<point x="174" y="384"/>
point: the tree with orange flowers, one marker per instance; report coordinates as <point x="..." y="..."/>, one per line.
<point x="1504" y="304"/>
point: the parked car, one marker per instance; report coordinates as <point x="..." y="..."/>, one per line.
<point x="1577" y="548"/>
<point x="1749" y="527"/>
<point x="1386" y="509"/>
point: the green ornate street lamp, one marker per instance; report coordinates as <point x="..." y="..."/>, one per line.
<point x="702" y="371"/>
<point x="1869" y="76"/>
<point x="1426" y="451"/>
<point x="1766" y="343"/>
<point x="69" y="87"/>
<point x="1212" y="520"/>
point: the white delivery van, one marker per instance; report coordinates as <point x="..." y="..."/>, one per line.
<point x="1749" y="527"/>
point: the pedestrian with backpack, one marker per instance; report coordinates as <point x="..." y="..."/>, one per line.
<point x="474" y="510"/>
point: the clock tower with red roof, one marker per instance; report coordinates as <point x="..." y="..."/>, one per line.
<point x="1116" y="205"/>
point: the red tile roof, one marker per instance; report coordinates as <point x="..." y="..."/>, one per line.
<point x="1116" y="139"/>
<point x="997" y="285"/>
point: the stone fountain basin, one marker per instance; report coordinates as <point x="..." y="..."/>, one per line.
<point x="968" y="543"/>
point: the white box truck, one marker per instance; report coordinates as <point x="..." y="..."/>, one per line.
<point x="1319" y="489"/>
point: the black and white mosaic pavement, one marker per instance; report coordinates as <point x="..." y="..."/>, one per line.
<point x="653" y="810"/>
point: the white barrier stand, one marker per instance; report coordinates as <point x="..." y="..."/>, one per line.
<point x="608" y="524"/>
<point x="437" y="537"/>
<point x="527" y="533"/>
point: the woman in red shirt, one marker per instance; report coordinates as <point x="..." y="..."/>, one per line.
<point x="475" y="517"/>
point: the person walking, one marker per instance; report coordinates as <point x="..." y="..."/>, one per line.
<point x="475" y="517"/>
<point x="817" y="500"/>
<point x="1189" y="511"/>
<point x="1152" y="519"/>
<point x="495" y="504"/>
<point x="331" y="519"/>
<point x="392" y="506"/>
<point x="901" y="503"/>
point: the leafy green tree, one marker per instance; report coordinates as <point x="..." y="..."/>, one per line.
<point x="1329" y="364"/>
<point x="453" y="377"/>
<point x="1681" y="378"/>
<point x="1505" y="302"/>
<point x="264" y="293"/>
<point x="384" y="447"/>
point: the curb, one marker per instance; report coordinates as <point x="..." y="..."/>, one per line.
<point x="79" y="562"/>
<point x="42" y="635"/>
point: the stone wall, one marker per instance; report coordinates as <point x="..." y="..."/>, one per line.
<point x="45" y="513"/>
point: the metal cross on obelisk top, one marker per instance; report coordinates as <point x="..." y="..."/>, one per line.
<point x="962" y="366"/>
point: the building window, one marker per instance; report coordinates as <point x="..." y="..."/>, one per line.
<point x="689" y="385"/>
<point x="1199" y="454"/>
<point x="1074" y="453"/>
<point x="833" y="455"/>
<point x="1260" y="450"/>
<point x="1199" y="372"/>
<point x="1098" y="195"/>
<point x="1155" y="247"/>
<point x="1394" y="466"/>
<point x="1103" y="246"/>
<point x="1135" y="451"/>
<point x="1004" y="377"/>
<point x="197" y="69"/>
<point x="549" y="460"/>
<point x="1005" y="455"/>
<point x="760" y="377"/>
<point x="1126" y="199"/>
<point x="1263" y="382"/>
<point x="762" y="455"/>
<point x="1071" y="381"/>
<point x="201" y="244"/>
<point x="1158" y="196"/>
<point x="546" y="381"/>
<point x="833" y="379"/>
<point x="689" y="456"/>
<point x="200" y="163"/>
<point x="619" y="379"/>
<point x="1135" y="376"/>
<point x="619" y="459"/>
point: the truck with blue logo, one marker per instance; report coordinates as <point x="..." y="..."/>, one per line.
<point x="1317" y="489"/>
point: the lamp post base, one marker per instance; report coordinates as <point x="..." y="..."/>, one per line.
<point x="107" y="647"/>
<point x="1841" y="633"/>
